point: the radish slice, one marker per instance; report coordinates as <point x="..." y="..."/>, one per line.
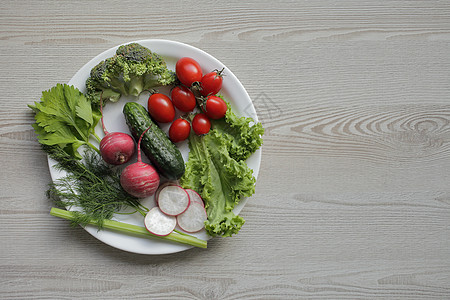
<point x="193" y="219"/>
<point x="159" y="223"/>
<point x="195" y="197"/>
<point x="163" y="185"/>
<point x="173" y="200"/>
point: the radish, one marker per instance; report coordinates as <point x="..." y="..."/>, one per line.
<point x="159" y="223"/>
<point x="139" y="179"/>
<point x="193" y="219"/>
<point x="195" y="197"/>
<point x="116" y="148"/>
<point x="173" y="200"/>
<point x="163" y="185"/>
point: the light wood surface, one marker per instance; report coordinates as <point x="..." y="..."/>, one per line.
<point x="352" y="199"/>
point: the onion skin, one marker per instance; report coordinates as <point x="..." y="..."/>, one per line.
<point x="140" y="180"/>
<point x="117" y="148"/>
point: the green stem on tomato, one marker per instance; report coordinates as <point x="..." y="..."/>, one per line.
<point x="135" y="230"/>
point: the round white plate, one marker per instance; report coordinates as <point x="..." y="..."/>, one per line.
<point x="232" y="90"/>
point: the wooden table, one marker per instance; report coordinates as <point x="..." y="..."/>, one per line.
<point x="352" y="199"/>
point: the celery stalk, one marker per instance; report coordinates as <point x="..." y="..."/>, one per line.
<point x="135" y="230"/>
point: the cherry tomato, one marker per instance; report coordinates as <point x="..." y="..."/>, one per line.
<point x="188" y="71"/>
<point x="215" y="107"/>
<point x="183" y="98"/>
<point x="211" y="83"/>
<point x="201" y="124"/>
<point x="161" y="108"/>
<point x="179" y="130"/>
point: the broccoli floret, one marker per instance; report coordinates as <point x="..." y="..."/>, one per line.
<point x="134" y="52"/>
<point x="131" y="71"/>
<point x="105" y="78"/>
<point x="142" y="69"/>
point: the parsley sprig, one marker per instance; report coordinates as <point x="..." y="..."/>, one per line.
<point x="64" y="117"/>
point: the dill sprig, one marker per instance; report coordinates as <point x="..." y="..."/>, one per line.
<point x="89" y="185"/>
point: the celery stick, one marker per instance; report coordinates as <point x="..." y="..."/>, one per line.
<point x="135" y="230"/>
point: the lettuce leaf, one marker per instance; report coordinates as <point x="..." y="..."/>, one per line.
<point x="242" y="134"/>
<point x="216" y="169"/>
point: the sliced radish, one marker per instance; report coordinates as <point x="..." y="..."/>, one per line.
<point x="159" y="223"/>
<point x="195" y="197"/>
<point x="193" y="219"/>
<point x="173" y="200"/>
<point x="163" y="185"/>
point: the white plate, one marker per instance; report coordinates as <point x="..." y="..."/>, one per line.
<point x="232" y="90"/>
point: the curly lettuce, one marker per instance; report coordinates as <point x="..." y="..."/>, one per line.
<point x="242" y="134"/>
<point x="216" y="169"/>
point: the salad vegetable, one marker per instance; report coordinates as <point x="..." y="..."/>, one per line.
<point x="131" y="71"/>
<point x="213" y="181"/>
<point x="64" y="117"/>
<point x="201" y="124"/>
<point x="214" y="107"/>
<point x="211" y="83"/>
<point x="183" y="98"/>
<point x="92" y="186"/>
<point x="116" y="148"/>
<point x="159" y="223"/>
<point x="133" y="229"/>
<point x="188" y="71"/>
<point x="160" y="108"/>
<point x="242" y="134"/>
<point x="216" y="169"/>
<point x="140" y="179"/>
<point x="179" y="130"/>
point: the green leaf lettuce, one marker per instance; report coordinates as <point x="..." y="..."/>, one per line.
<point x="216" y="169"/>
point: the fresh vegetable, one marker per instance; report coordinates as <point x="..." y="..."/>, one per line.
<point x="179" y="130"/>
<point x="92" y="186"/>
<point x="183" y="98"/>
<point x="116" y="148"/>
<point x="243" y="135"/>
<point x="173" y="200"/>
<point x="195" y="197"/>
<point x="162" y="186"/>
<point x="216" y="169"/>
<point x="140" y="179"/>
<point x="161" y="108"/>
<point x="193" y="219"/>
<point x="211" y="83"/>
<point x="159" y="223"/>
<point x="64" y="117"/>
<point x="188" y="71"/>
<point x="132" y="70"/>
<point x="201" y="124"/>
<point x="214" y="179"/>
<point x="163" y="154"/>
<point x="131" y="229"/>
<point x="215" y="107"/>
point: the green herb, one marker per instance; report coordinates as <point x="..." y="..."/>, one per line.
<point x="64" y="117"/>
<point x="92" y="186"/>
<point x="132" y="229"/>
<point x="216" y="169"/>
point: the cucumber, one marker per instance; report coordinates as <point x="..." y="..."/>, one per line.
<point x="155" y="144"/>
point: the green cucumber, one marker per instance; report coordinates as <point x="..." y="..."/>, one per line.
<point x="155" y="144"/>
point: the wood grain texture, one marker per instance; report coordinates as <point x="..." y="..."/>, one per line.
<point x="352" y="200"/>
